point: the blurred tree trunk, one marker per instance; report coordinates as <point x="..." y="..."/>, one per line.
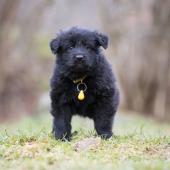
<point x="8" y="10"/>
<point x="160" y="40"/>
<point x="19" y="71"/>
<point x="140" y="34"/>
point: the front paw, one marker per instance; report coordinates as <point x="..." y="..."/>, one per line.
<point x="61" y="136"/>
<point x="105" y="135"/>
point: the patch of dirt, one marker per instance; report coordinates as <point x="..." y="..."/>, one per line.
<point x="160" y="150"/>
<point x="87" y="144"/>
<point x="31" y="149"/>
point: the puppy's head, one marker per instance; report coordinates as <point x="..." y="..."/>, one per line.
<point x="78" y="49"/>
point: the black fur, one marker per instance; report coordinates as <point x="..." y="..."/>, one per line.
<point x="102" y="97"/>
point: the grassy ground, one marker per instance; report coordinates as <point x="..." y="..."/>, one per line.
<point x="139" y="143"/>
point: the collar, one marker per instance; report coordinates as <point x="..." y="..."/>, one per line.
<point x="79" y="80"/>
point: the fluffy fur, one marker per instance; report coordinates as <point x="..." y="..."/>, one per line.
<point x="78" y="54"/>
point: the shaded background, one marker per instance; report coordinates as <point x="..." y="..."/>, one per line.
<point x="139" y="51"/>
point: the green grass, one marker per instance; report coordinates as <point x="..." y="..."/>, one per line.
<point x="139" y="143"/>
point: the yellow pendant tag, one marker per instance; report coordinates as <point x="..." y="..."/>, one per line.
<point x="81" y="95"/>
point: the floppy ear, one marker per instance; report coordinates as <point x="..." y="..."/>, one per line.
<point x="102" y="40"/>
<point x="54" y="45"/>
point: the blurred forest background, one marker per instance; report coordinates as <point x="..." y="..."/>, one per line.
<point x="139" y="50"/>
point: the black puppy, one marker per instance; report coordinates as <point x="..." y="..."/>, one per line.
<point x="82" y="82"/>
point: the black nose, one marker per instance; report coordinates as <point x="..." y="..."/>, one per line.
<point x="79" y="56"/>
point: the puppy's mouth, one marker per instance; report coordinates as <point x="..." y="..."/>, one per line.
<point x="80" y="64"/>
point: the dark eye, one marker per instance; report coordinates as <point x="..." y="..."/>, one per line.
<point x="88" y="47"/>
<point x="71" y="47"/>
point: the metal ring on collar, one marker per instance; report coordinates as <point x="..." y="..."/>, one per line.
<point x="83" y="85"/>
